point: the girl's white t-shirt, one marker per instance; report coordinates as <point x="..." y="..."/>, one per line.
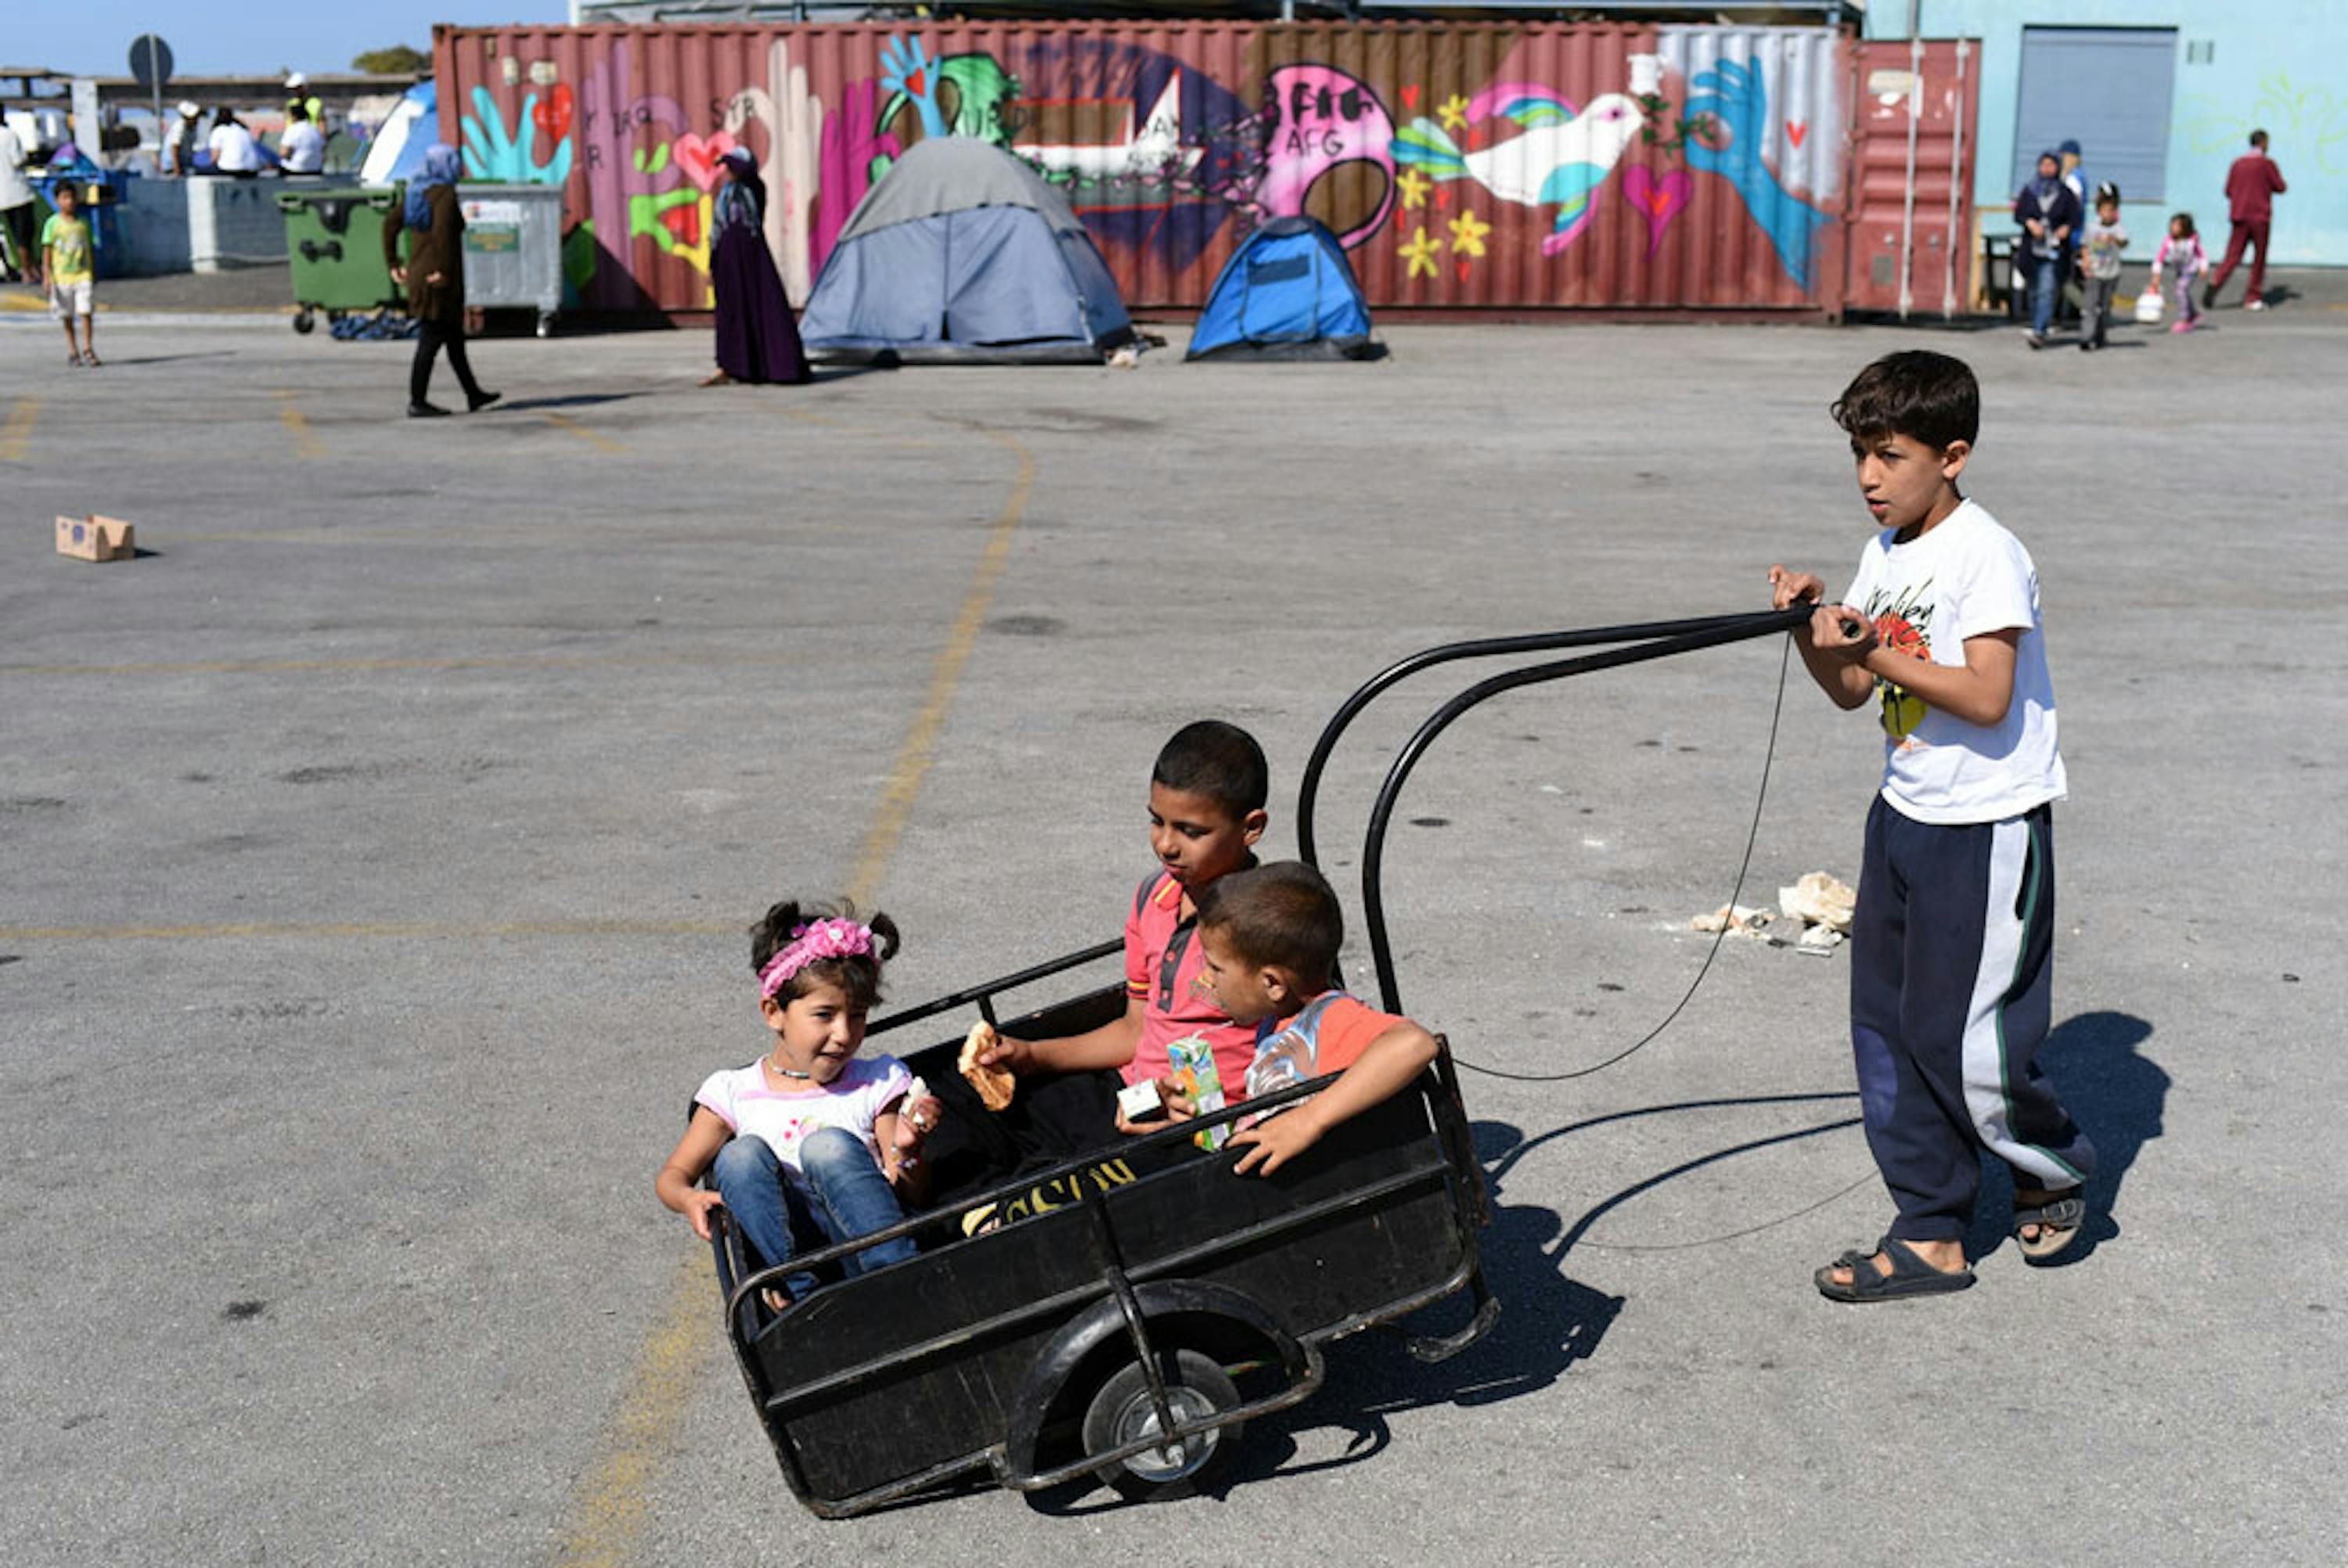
<point x="1966" y="578"/>
<point x="743" y="1100"/>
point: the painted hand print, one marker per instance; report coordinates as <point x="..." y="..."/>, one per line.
<point x="493" y="152"/>
<point x="1735" y="98"/>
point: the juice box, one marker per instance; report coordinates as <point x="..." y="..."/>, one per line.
<point x="1191" y="1063"/>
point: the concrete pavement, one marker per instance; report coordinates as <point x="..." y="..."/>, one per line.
<point x="377" y="851"/>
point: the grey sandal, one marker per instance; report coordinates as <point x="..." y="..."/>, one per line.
<point x="1909" y="1276"/>
<point x="2058" y="1219"/>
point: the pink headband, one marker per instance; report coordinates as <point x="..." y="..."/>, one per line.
<point x="820" y="939"/>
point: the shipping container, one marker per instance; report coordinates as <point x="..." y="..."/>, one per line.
<point x="1475" y="165"/>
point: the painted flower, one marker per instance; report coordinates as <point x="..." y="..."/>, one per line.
<point x="1414" y="186"/>
<point x="1454" y="112"/>
<point x="1467" y="232"/>
<point x="1420" y="253"/>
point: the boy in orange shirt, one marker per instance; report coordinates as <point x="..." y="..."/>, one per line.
<point x="1271" y="937"/>
<point x="1207" y="794"/>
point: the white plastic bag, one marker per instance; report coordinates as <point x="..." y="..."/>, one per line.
<point x="2148" y="306"/>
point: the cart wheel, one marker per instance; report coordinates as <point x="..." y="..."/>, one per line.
<point x="304" y="321"/>
<point x="1122" y="1412"/>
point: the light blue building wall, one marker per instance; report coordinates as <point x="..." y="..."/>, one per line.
<point x="2279" y="64"/>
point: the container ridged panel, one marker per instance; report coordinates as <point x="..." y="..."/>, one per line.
<point x="1470" y="165"/>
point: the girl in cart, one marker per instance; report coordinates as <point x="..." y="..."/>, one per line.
<point x="811" y="1144"/>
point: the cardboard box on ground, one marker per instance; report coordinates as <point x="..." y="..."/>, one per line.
<point x="96" y="539"/>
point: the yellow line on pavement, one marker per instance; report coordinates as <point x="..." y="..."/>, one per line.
<point x="919" y="747"/>
<point x="599" y="442"/>
<point x="418" y="930"/>
<point x="613" y="1507"/>
<point x="16" y="434"/>
<point x="305" y="440"/>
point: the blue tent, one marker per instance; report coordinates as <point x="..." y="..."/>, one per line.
<point x="397" y="149"/>
<point x="1287" y="293"/>
<point x="963" y="253"/>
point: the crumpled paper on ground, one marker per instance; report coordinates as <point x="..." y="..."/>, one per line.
<point x="1740" y="920"/>
<point x="1820" y="904"/>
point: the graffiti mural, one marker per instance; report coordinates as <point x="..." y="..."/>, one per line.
<point x="1658" y="198"/>
<point x="1323" y="120"/>
<point x="493" y="152"/>
<point x="1172" y="146"/>
<point x="1556" y="158"/>
<point x="784" y="112"/>
<point x="1766" y="153"/>
<point x="2311" y="121"/>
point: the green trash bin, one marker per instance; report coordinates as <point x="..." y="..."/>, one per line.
<point x="334" y="241"/>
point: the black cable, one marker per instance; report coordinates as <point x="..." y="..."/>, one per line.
<point x="1785" y="663"/>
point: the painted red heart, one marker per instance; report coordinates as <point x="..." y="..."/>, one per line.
<point x="552" y="113"/>
<point x="1658" y="197"/>
<point x="1796" y="129"/>
<point x="1463" y="271"/>
<point x="915" y="83"/>
<point x="1410" y="97"/>
<point x="684" y="221"/>
<point x="697" y="155"/>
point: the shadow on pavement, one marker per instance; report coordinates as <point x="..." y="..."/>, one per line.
<point x="1548" y="1321"/>
<point x="169" y="358"/>
<point x="571" y="400"/>
<point x="2119" y="1099"/>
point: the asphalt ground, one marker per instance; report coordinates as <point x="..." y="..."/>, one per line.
<point x="375" y="852"/>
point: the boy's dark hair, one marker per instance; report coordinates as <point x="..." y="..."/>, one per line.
<point x="1283" y="914"/>
<point x="2259" y="139"/>
<point x="2186" y="219"/>
<point x="1219" y="760"/>
<point x="859" y="978"/>
<point x="1928" y="396"/>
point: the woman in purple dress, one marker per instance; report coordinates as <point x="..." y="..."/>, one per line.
<point x="757" y="339"/>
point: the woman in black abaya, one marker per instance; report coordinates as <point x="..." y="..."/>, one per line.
<point x="756" y="339"/>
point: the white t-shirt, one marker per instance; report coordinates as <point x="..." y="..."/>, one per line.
<point x="305" y="148"/>
<point x="16" y="190"/>
<point x="744" y="1101"/>
<point x="233" y="150"/>
<point x="1966" y="578"/>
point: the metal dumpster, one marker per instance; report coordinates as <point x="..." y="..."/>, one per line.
<point x="333" y="244"/>
<point x="513" y="249"/>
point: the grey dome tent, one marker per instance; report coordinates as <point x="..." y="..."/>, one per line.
<point x="963" y="254"/>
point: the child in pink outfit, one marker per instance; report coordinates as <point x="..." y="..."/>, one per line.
<point x="2180" y="260"/>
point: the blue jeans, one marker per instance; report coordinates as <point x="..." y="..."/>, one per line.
<point x="845" y="1196"/>
<point x="2046" y="285"/>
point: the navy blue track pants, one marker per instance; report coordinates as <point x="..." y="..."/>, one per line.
<point x="1952" y="975"/>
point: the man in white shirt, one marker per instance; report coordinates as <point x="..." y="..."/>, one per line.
<point x="303" y="147"/>
<point x="178" y="155"/>
<point x="16" y="210"/>
<point x="233" y="150"/>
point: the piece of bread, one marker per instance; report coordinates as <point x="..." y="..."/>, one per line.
<point x="995" y="1085"/>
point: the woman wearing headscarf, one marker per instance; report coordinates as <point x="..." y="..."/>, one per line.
<point x="2050" y="213"/>
<point x="757" y="339"/>
<point x="433" y="279"/>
